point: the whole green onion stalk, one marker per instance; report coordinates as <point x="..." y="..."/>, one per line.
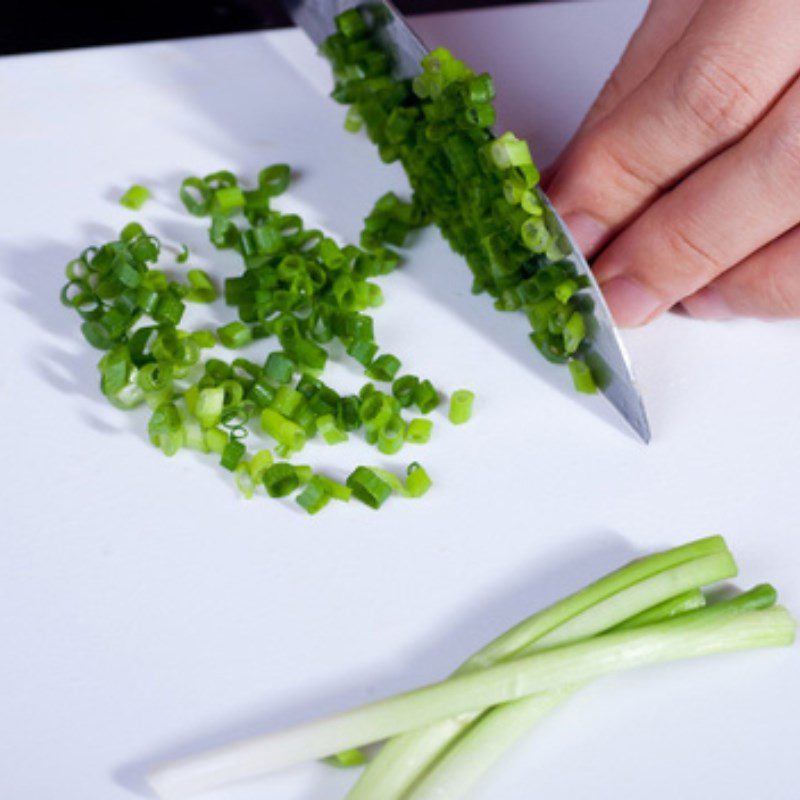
<point x="637" y="616"/>
<point x="599" y="607"/>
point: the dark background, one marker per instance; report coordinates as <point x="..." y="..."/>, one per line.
<point x="30" y="25"/>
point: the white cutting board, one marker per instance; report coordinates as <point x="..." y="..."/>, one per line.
<point x="146" y="610"/>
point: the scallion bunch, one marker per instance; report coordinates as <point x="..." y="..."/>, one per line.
<point x="441" y="738"/>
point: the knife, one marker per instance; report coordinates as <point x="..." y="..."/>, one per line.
<point x="607" y="355"/>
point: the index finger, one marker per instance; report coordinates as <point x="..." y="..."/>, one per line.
<point x="733" y="63"/>
<point x="663" y="24"/>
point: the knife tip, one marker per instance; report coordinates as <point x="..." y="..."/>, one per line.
<point x="641" y="424"/>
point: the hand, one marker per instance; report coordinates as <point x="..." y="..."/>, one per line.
<point x="685" y="175"/>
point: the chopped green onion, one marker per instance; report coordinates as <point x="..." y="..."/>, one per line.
<point x="353" y="121"/>
<point x="508" y="151"/>
<point x="329" y="430"/>
<point x="196" y="196"/>
<point x="418" y="481"/>
<point x="234" y="335"/>
<point x="204" y="339"/>
<point x="131" y="231"/>
<point x="426" y="397"/>
<point x="244" y="480"/>
<point x="565" y="290"/>
<point x="216" y="440"/>
<point x="221" y="179"/>
<point x="404" y="389"/>
<point x="314" y="496"/>
<point x="284" y="431"/>
<point x="261" y="392"/>
<point x="217" y="370"/>
<point x="397" y="485"/>
<point x="298" y="285"/>
<point x="574" y="332"/>
<point x="418" y="431"/>
<point x="304" y="474"/>
<point x="392" y="435"/>
<point x="287" y="401"/>
<point x="351" y="24"/>
<point x="259" y="464"/>
<point x="384" y="368"/>
<point x="461" y="406"/>
<point x="274" y="180"/>
<point x="166" y="428"/>
<point x="363" y="351"/>
<point x="482" y="192"/>
<point x="284" y="451"/>
<point x="228" y="199"/>
<point x="368" y="488"/>
<point x="279" y="367"/>
<point x="202" y="289"/>
<point x="280" y="479"/>
<point x="135" y="197"/>
<point x="233" y="453"/>
<point x="153" y="377"/>
<point x="336" y="490"/>
<point x="169" y="309"/>
<point x="194" y="436"/>
<point x="582" y="376"/>
<point x="209" y="405"/>
<point x="376" y="410"/>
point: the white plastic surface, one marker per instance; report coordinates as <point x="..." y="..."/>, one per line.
<point x="146" y="611"/>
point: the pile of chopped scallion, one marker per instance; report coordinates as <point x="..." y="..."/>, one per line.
<point x="439" y="740"/>
<point x="481" y="191"/>
<point x="306" y="290"/>
<point x="299" y="287"/>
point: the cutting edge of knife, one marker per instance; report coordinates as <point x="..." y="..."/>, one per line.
<point x="621" y="390"/>
<point x="629" y="402"/>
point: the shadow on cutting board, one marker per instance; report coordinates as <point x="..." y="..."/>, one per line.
<point x="66" y="362"/>
<point x="36" y="280"/>
<point x="532" y="588"/>
<point x="248" y="132"/>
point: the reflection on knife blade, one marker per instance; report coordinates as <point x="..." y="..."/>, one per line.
<point x="482" y="192"/>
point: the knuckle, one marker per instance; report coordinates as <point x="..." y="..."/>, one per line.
<point x="714" y="95"/>
<point x="694" y="262"/>
<point x="631" y="176"/>
<point x="623" y="168"/>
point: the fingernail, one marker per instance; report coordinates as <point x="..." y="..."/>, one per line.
<point x="587" y="232"/>
<point x="630" y="303"/>
<point x="708" y="303"/>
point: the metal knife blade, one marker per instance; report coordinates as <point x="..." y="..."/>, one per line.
<point x="608" y="354"/>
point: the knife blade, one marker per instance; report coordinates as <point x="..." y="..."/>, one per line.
<point x="607" y="354"/>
